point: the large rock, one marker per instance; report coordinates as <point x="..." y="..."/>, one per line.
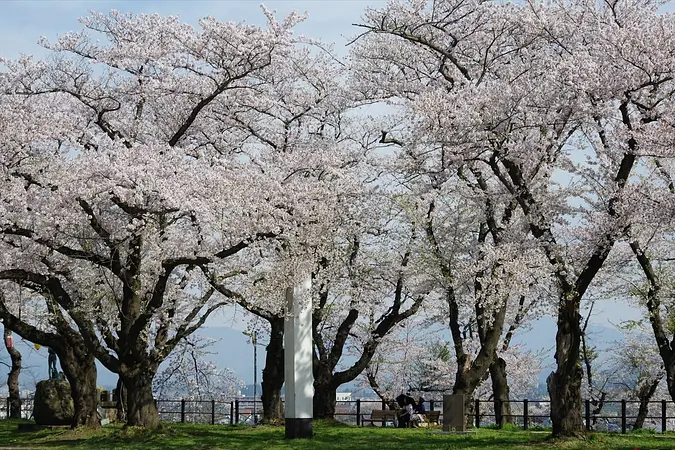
<point x="53" y="404"/>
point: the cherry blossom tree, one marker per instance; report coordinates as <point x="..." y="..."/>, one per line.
<point x="359" y="315"/>
<point x="476" y="273"/>
<point x="241" y="147"/>
<point x="135" y="180"/>
<point x="189" y="374"/>
<point x="311" y="106"/>
<point x="416" y="359"/>
<point x="650" y="243"/>
<point x="520" y="95"/>
<point x="305" y="107"/>
<point x="412" y="358"/>
<point x="57" y="333"/>
<point x="637" y="368"/>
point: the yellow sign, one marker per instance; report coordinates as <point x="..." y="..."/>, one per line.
<point x="37" y="346"/>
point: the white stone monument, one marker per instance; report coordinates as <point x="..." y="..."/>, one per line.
<point x="299" y="379"/>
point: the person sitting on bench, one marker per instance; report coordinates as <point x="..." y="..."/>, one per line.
<point x="417" y="416"/>
<point x="406" y="403"/>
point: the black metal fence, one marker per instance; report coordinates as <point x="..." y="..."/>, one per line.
<point x="26" y="408"/>
<point x="616" y="415"/>
<point x="235" y="411"/>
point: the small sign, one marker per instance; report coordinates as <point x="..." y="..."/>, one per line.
<point x="9" y="341"/>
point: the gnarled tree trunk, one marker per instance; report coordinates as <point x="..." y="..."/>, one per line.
<point x="13" y="379"/>
<point x="273" y="374"/>
<point x="324" y="393"/>
<point x="564" y="385"/>
<point x="326" y="357"/>
<point x="141" y="408"/>
<point x="79" y="367"/>
<point x="121" y="400"/>
<point x="500" y="391"/>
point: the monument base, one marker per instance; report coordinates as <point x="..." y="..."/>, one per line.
<point x="298" y="428"/>
<point x="455" y="432"/>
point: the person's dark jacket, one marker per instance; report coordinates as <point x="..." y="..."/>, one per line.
<point x="419" y="408"/>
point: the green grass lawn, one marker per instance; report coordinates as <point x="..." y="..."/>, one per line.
<point x="327" y="436"/>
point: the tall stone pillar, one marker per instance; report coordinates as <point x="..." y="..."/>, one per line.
<point x="299" y="381"/>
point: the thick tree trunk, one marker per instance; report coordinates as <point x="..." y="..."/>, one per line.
<point x="324" y="394"/>
<point x="121" y="400"/>
<point x="273" y="374"/>
<point x="324" y="403"/>
<point x="500" y="391"/>
<point x="564" y="385"/>
<point x="13" y="379"/>
<point x="81" y="374"/>
<point x="466" y="382"/>
<point x="141" y="408"/>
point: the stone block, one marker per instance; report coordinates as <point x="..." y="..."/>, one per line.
<point x="454" y="413"/>
<point x="53" y="404"/>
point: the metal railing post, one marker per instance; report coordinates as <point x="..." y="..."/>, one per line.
<point x="499" y="419"/>
<point x="358" y="412"/>
<point x="182" y="411"/>
<point x="587" y="406"/>
<point x="477" y="412"/>
<point x="623" y="416"/>
<point x="664" y="416"/>
<point x="231" y="413"/>
<point x="213" y="412"/>
<point x="525" y="415"/>
<point x="236" y="411"/>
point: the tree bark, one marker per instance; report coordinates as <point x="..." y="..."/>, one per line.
<point x="121" y="400"/>
<point x="141" y="408"/>
<point x="77" y="362"/>
<point x="564" y="385"/>
<point x="383" y="395"/>
<point x="324" y="393"/>
<point x="500" y="391"/>
<point x="645" y="394"/>
<point x="326" y="358"/>
<point x="79" y="367"/>
<point x="13" y="379"/>
<point x="659" y="327"/>
<point x="471" y="371"/>
<point x="273" y="374"/>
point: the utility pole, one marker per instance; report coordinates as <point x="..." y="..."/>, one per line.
<point x="254" y="340"/>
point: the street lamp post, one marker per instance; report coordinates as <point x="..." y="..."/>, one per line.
<point x="254" y="340"/>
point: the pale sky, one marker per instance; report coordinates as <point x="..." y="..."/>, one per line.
<point x="23" y="22"/>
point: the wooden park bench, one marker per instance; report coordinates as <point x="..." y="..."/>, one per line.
<point x="432" y="417"/>
<point x="383" y="416"/>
